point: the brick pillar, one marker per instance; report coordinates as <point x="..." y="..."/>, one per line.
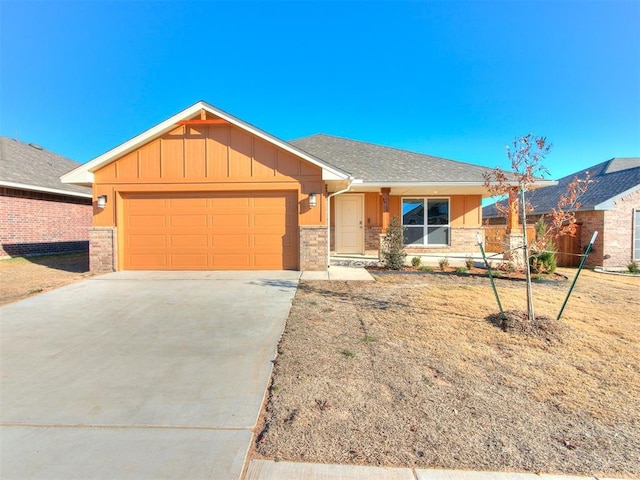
<point x="515" y="253"/>
<point x="313" y="247"/>
<point x="103" y="249"/>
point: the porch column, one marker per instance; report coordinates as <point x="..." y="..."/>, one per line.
<point x="513" y="223"/>
<point x="385" y="209"/>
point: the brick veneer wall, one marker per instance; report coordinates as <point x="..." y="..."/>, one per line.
<point x="463" y="240"/>
<point x="313" y="247"/>
<point x="618" y="231"/>
<point x="372" y="238"/>
<point x="35" y="223"/>
<point x="591" y="221"/>
<point x="103" y="249"/>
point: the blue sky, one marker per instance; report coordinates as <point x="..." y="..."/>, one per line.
<point x="453" y="79"/>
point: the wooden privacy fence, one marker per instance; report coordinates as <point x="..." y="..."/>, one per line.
<point x="568" y="247"/>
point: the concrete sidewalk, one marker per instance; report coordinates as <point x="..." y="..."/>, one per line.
<point x="270" y="470"/>
<point x="351" y="274"/>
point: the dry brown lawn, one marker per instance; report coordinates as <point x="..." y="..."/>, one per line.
<point x="23" y="277"/>
<point x="410" y="371"/>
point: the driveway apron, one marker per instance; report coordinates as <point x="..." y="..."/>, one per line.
<point x="139" y="375"/>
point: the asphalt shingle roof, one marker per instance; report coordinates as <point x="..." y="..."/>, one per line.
<point x="610" y="179"/>
<point x="375" y="163"/>
<point x="32" y="165"/>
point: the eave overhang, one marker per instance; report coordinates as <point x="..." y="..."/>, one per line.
<point x="37" y="188"/>
<point x="436" y="188"/>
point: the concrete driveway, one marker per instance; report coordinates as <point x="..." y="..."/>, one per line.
<point x="139" y="375"/>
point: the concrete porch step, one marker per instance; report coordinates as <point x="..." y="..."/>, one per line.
<point x="370" y="259"/>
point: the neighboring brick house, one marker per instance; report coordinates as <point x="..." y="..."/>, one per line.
<point x="611" y="205"/>
<point x="40" y="215"/>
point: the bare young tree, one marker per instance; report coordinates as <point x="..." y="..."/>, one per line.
<point x="526" y="155"/>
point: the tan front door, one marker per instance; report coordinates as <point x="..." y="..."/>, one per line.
<point x="349" y="227"/>
<point x="210" y="231"/>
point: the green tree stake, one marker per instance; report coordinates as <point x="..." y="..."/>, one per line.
<point x="493" y="285"/>
<point x="584" y="259"/>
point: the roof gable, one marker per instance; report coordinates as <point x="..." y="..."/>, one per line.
<point x="30" y="167"/>
<point x="378" y="164"/>
<point x="84" y="174"/>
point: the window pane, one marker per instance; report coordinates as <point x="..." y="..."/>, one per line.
<point x="414" y="235"/>
<point x="412" y="211"/>
<point x="438" y="235"/>
<point x="438" y="212"/>
<point x="637" y="246"/>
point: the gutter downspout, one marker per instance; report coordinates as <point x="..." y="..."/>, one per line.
<point x="329" y="197"/>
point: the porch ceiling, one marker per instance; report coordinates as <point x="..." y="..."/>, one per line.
<point x="424" y="188"/>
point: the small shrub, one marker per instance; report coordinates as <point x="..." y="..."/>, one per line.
<point x="348" y="353"/>
<point x="469" y="262"/>
<point x="510" y="267"/>
<point x="462" y="270"/>
<point x="368" y="339"/>
<point x="543" y="261"/>
<point x="633" y="267"/>
<point x="443" y="262"/>
<point x="496" y="273"/>
<point x="393" y="254"/>
<point x="416" y="261"/>
<point x="426" y="268"/>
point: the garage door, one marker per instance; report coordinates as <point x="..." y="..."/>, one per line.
<point x="221" y="231"/>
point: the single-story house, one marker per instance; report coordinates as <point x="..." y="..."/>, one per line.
<point x="206" y="190"/>
<point x="39" y="214"/>
<point x="610" y="206"/>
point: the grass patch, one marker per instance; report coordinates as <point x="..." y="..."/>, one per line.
<point x="442" y="387"/>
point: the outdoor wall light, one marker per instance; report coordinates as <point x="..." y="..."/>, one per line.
<point x="102" y="201"/>
<point x="313" y="201"/>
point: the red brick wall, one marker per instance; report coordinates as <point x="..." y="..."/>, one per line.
<point x="618" y="231"/>
<point x="592" y="221"/>
<point x="33" y="223"/>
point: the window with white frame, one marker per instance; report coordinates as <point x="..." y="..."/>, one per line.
<point x="636" y="246"/>
<point x="426" y="221"/>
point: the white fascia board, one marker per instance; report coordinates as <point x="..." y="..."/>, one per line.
<point x="540" y="184"/>
<point x="36" y="188"/>
<point x="610" y="203"/>
<point x="79" y="175"/>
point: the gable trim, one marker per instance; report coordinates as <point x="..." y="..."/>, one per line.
<point x="610" y="202"/>
<point x="83" y="175"/>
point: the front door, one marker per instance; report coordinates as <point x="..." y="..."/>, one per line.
<point x="349" y="227"/>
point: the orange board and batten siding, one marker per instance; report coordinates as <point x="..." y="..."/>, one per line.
<point x="465" y="210"/>
<point x="204" y="231"/>
<point x="224" y="175"/>
<point x="211" y="158"/>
